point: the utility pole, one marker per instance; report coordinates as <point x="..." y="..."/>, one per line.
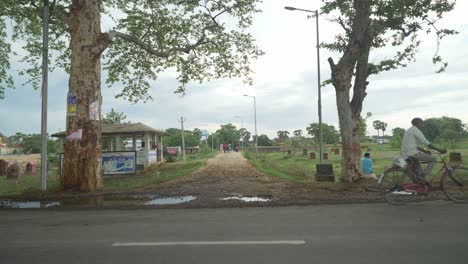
<point x="45" y="69"/>
<point x="212" y="142"/>
<point x="182" y="120"/>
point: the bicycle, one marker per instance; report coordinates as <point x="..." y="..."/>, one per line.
<point x="402" y="184"/>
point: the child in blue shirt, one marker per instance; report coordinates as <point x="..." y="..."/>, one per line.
<point x="367" y="171"/>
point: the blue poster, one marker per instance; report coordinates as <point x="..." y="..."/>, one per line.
<point x="118" y="163"/>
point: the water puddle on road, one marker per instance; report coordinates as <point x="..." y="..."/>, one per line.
<point x="247" y="199"/>
<point x="171" y="200"/>
<point x="28" y="204"/>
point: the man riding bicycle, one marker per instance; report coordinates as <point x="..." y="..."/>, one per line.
<point x="410" y="149"/>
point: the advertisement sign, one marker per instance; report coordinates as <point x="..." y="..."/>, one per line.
<point x="71" y="104"/>
<point x="77" y="135"/>
<point x="141" y="157"/>
<point x="94" y="110"/>
<point x="152" y="156"/>
<point x="118" y="163"/>
<point x="173" y="151"/>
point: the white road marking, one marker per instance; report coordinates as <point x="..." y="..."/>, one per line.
<point x="203" y="243"/>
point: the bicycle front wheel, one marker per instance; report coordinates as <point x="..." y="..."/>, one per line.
<point x="454" y="184"/>
<point x="393" y="185"/>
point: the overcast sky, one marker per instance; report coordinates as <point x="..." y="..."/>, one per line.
<point x="285" y="84"/>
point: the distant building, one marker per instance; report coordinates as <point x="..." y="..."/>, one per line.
<point x="145" y="140"/>
<point x="380" y="140"/>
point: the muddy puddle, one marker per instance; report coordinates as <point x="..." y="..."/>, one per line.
<point x="171" y="200"/>
<point x="28" y="204"/>
<point x="247" y="199"/>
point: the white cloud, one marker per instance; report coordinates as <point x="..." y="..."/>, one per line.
<point x="285" y="84"/>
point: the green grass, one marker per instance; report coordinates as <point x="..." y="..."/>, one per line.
<point x="297" y="167"/>
<point x="150" y="176"/>
<point x="28" y="182"/>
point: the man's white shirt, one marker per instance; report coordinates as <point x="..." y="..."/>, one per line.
<point x="412" y="138"/>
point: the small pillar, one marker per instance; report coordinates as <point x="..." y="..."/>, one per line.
<point x="31" y="167"/>
<point x="3" y="167"/>
<point x="118" y="143"/>
<point x="14" y="171"/>
<point x="161" y="149"/>
<point x="312" y="155"/>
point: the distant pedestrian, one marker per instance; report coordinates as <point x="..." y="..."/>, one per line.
<point x="367" y="171"/>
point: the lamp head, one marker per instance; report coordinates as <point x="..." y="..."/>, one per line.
<point x="290" y="8"/>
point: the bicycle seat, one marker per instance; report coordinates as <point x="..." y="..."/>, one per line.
<point x="412" y="160"/>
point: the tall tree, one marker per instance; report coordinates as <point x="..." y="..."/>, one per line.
<point x="377" y="125"/>
<point x="264" y="140"/>
<point x="372" y="24"/>
<point x="228" y="134"/>
<point x="282" y="135"/>
<point x="298" y="133"/>
<point x="329" y="133"/>
<point x="200" y="39"/>
<point x="383" y="127"/>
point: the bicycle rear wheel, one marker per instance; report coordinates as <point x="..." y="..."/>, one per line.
<point x="454" y="184"/>
<point x="391" y="186"/>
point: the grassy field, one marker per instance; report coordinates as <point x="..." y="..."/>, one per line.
<point x="151" y="176"/>
<point x="298" y="167"/>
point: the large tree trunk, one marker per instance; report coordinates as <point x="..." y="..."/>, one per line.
<point x="83" y="160"/>
<point x="354" y="62"/>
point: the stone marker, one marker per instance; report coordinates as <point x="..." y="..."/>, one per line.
<point x="324" y="172"/>
<point x="31" y="168"/>
<point x="312" y="155"/>
<point x="14" y="171"/>
<point x="455" y="157"/>
<point x="3" y="167"/>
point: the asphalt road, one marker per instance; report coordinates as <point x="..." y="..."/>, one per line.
<point x="435" y="232"/>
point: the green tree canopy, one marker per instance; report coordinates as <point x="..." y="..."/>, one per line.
<point x="282" y="135"/>
<point x="113" y="118"/>
<point x="329" y="133"/>
<point x="175" y="139"/>
<point x="264" y="140"/>
<point x="228" y="134"/>
<point x="444" y="129"/>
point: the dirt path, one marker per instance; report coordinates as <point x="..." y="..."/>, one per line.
<point x="230" y="174"/>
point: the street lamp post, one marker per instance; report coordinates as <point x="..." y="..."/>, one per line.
<point x="255" y="118"/>
<point x="316" y="14"/>
<point x="242" y="148"/>
<point x="45" y="69"/>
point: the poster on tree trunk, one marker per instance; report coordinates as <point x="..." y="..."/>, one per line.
<point x="94" y="110"/>
<point x="71" y="104"/>
<point x="77" y="135"/>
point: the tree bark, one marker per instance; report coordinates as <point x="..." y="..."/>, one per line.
<point x="83" y="160"/>
<point x="353" y="63"/>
